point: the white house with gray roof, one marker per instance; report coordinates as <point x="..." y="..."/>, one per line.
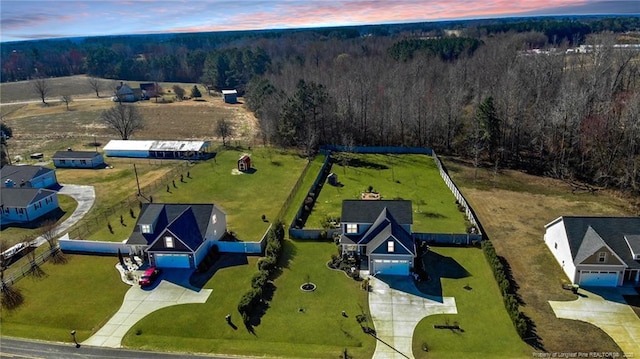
<point x="596" y="251"/>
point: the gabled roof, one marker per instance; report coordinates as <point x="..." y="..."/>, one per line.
<point x="612" y="231"/>
<point x="361" y="211"/>
<point x="384" y="229"/>
<point x="23" y="197"/>
<point x="633" y="241"/>
<point x="75" y="154"/>
<point x="22" y="173"/>
<point x="188" y="222"/>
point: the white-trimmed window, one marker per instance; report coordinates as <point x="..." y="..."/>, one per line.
<point x="145" y="228"/>
<point x="352" y="228"/>
<point x="214" y="219"/>
<point x="391" y="246"/>
<point x="168" y="242"/>
<point x="602" y="257"/>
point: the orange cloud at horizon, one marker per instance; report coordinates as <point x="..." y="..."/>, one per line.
<point x="340" y="13"/>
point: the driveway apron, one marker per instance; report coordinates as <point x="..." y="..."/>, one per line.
<point x="139" y="303"/>
<point x="606" y="309"/>
<point x="397" y="311"/>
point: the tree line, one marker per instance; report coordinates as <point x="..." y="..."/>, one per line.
<point x="569" y="115"/>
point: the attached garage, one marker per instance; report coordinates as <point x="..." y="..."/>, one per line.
<point x="171" y="260"/>
<point x="599" y="278"/>
<point x="390" y="266"/>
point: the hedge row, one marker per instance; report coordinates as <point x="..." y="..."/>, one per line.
<point x="266" y="269"/>
<point x="507" y="289"/>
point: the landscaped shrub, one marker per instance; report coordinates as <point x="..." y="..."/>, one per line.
<point x="507" y="289"/>
<point x="259" y="279"/>
<point x="267" y="264"/>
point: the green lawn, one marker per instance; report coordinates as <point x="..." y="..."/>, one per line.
<point x="488" y="331"/>
<point x="81" y="294"/>
<point x="243" y="197"/>
<point x="319" y="331"/>
<point x="303" y="190"/>
<point x="411" y="177"/>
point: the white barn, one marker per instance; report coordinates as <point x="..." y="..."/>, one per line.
<point x="158" y="149"/>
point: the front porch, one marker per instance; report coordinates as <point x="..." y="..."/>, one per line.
<point x="631" y="278"/>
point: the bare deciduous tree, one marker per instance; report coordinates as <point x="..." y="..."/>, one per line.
<point x="95" y="85"/>
<point x="67" y="99"/>
<point x="224" y="130"/>
<point x="123" y="119"/>
<point x="42" y="88"/>
<point x="179" y="91"/>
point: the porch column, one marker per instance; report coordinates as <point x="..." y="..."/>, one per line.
<point x="637" y="275"/>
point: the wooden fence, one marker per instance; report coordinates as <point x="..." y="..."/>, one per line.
<point x="26" y="269"/>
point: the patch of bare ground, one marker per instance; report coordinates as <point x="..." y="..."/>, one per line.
<point x="513" y="208"/>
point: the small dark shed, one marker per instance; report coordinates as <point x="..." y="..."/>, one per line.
<point x="244" y="163"/>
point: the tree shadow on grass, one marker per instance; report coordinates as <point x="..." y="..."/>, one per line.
<point x="437" y="267"/>
<point x="226" y="260"/>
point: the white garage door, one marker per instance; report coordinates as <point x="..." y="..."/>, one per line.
<point x="390" y="267"/>
<point x="172" y="261"/>
<point x="598" y="279"/>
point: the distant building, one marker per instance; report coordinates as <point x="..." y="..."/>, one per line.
<point x="148" y="90"/>
<point x="195" y="150"/>
<point x="78" y="159"/>
<point x="230" y="96"/>
<point x="125" y="93"/>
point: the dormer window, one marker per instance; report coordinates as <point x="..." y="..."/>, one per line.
<point x="352" y="228"/>
<point x="390" y="246"/>
<point x="145" y="228"/>
<point x="602" y="257"/>
<point x="168" y="242"/>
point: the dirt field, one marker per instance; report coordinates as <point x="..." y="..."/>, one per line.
<point x="513" y="209"/>
<point x="48" y="128"/>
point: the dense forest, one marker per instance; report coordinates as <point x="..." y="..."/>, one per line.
<point x="504" y="93"/>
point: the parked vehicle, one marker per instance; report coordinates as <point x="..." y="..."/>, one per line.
<point x="149" y="276"/>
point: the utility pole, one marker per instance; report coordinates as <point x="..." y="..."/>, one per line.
<point x="135" y="170"/>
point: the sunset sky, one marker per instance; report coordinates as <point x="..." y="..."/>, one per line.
<point x="33" y="19"/>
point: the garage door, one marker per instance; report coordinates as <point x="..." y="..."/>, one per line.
<point x="172" y="261"/>
<point x="598" y="278"/>
<point x="390" y="267"/>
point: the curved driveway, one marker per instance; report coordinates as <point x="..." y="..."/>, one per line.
<point x="396" y="307"/>
<point x="85" y="196"/>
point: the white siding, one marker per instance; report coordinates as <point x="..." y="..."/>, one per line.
<point x="556" y="239"/>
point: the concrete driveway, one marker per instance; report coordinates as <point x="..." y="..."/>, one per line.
<point x="139" y="303"/>
<point x="396" y="308"/>
<point x="606" y="309"/>
<point x="85" y="196"/>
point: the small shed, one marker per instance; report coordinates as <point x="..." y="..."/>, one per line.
<point x="78" y="159"/>
<point x="230" y="96"/>
<point x="244" y="163"/>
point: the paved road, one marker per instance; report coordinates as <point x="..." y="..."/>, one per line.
<point x="54" y="100"/>
<point x="21" y="348"/>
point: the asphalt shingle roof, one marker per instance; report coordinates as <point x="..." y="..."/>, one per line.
<point x="21" y="173"/>
<point x="22" y="197"/>
<point x="612" y="230"/>
<point x="363" y="211"/>
<point x="74" y="154"/>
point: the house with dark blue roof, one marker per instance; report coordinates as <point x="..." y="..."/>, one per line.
<point x="378" y="235"/>
<point x="596" y="251"/>
<point x="177" y="235"/>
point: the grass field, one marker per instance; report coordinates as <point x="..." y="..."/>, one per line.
<point x="411" y="177"/>
<point x="81" y="294"/>
<point x="48" y="128"/>
<point x="513" y="208"/>
<point x="463" y="273"/>
<point x="319" y="331"/>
